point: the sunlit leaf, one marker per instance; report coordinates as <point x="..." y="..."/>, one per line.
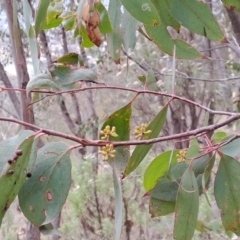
<point x="105" y="24"/>
<point x="43" y="195"/>
<point x="227" y="193"/>
<point x="218" y="137"/>
<point x="53" y="18"/>
<point x="41" y="15"/>
<point x="69" y="21"/>
<point x="54" y="10"/>
<point x="76" y="31"/>
<point x="186" y="211"/>
<point x="158" y="168"/>
<point x="141" y="151"/>
<point x="143" y="10"/>
<point x="86" y="42"/>
<point x="70" y="58"/>
<point x="163" y="195"/>
<point x="52" y="24"/>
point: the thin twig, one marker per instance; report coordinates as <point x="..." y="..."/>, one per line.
<point x="50" y="94"/>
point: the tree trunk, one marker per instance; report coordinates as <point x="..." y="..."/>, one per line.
<point x="23" y="78"/>
<point x="12" y="94"/>
<point x="235" y="20"/>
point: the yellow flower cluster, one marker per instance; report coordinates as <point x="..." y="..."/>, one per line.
<point x="141" y="132"/>
<point x="107" y="132"/>
<point x="181" y="157"/>
<point x="107" y="151"/>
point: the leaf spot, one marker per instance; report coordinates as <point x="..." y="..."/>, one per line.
<point x="10" y="172"/>
<point x="31" y="208"/>
<point x="19" y="152"/>
<point x="42" y="178"/>
<point x="6" y="207"/>
<point x="49" y="196"/>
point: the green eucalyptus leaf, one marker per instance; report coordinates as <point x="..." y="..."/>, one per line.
<point x="41" y="15"/>
<point x="200" y="164"/>
<point x="129" y="27"/>
<point x="41" y="81"/>
<point x="163" y="40"/>
<point x="232" y="4"/>
<point x="231" y="149"/>
<point x="120" y="119"/>
<point x="105" y="24"/>
<point x="64" y="75"/>
<point x="158" y="168"/>
<point x="69" y="22"/>
<point x="143" y="10"/>
<point x="227" y="193"/>
<point x="197" y="17"/>
<point x="193" y="150"/>
<point x="114" y="39"/>
<point x="54" y="11"/>
<point x="140" y="152"/>
<point x="165" y="190"/>
<point x="43" y="195"/>
<point x="69" y="58"/>
<point x="159" y="208"/>
<point x="218" y="137"/>
<point x="15" y="154"/>
<point x="86" y="42"/>
<point x="186" y="210"/>
<point x="165" y="15"/>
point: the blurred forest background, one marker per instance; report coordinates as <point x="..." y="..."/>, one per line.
<point x="89" y="209"/>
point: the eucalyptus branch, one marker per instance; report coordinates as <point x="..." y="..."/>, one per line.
<point x="100" y="143"/>
<point x="50" y="93"/>
<point x="138" y="92"/>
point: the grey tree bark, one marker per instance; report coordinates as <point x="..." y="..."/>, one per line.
<point x="13" y="96"/>
<point x="23" y="78"/>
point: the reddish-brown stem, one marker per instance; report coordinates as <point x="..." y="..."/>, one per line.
<point x="99" y="143"/>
